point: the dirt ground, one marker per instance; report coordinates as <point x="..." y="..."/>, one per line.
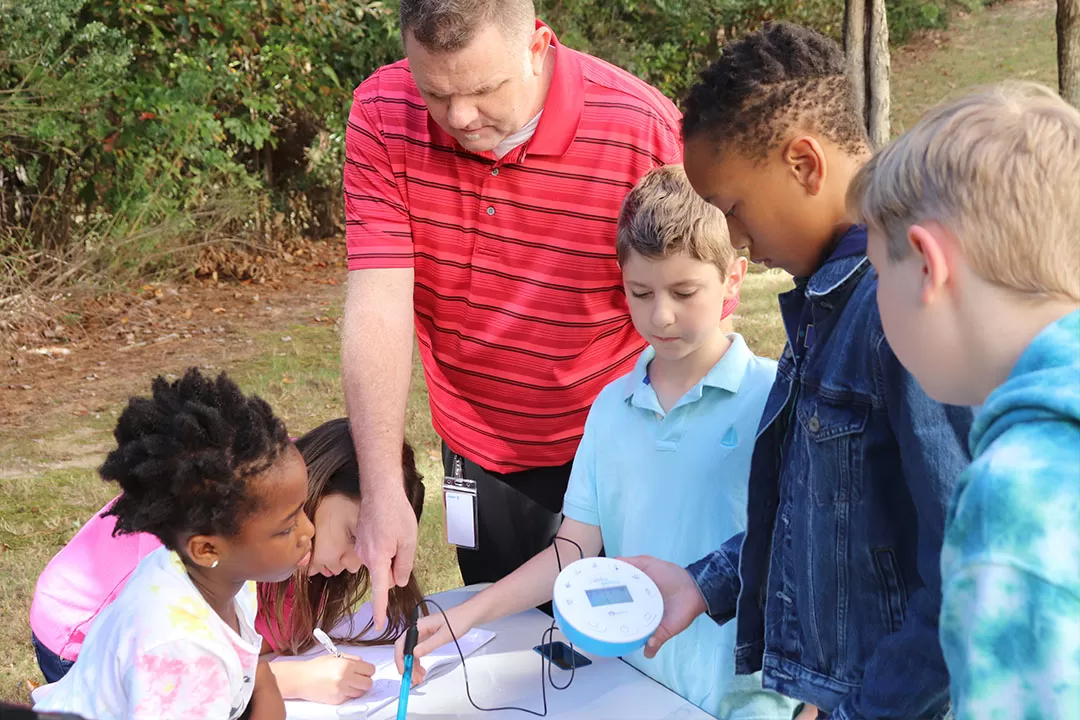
<point x="85" y="357"/>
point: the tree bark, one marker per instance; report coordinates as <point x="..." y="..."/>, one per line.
<point x="877" y="49"/>
<point x="1068" y="49"/>
<point x="855" y="50"/>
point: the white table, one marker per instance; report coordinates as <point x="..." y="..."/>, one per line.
<point x="506" y="671"/>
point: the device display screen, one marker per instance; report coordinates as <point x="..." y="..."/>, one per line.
<point x="609" y="595"/>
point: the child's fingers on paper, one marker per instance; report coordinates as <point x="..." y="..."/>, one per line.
<point x="358" y="685"/>
<point x="361" y="667"/>
<point x="435" y="639"/>
<point x="418" y="674"/>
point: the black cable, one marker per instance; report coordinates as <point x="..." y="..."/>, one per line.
<point x="546" y="638"/>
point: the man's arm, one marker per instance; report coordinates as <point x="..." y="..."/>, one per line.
<point x="906" y="675"/>
<point x="376" y="347"/>
<point x="376" y="365"/>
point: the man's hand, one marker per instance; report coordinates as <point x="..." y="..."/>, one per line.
<point x="386" y="543"/>
<point x="682" y="599"/>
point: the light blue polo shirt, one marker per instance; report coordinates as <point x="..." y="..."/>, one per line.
<point x="674" y="486"/>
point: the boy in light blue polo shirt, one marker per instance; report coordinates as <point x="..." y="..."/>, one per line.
<point x="663" y="466"/>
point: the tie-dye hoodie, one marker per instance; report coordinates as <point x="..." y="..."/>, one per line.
<point x="1010" y="622"/>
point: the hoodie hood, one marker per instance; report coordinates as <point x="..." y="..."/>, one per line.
<point x="1044" y="385"/>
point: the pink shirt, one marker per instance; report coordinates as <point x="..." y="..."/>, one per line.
<point x="82" y="579"/>
<point x="85" y="576"/>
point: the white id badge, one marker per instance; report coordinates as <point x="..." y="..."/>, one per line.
<point x="459" y="509"/>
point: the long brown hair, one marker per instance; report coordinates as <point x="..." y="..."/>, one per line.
<point x="319" y="601"/>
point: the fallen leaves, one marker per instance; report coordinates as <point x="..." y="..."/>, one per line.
<point x="51" y="351"/>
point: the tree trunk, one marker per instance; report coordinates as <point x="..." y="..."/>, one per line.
<point x="1068" y="48"/>
<point x="877" y="49"/>
<point x="855" y="50"/>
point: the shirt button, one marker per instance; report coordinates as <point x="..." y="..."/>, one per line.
<point x="815" y="424"/>
<point x="490" y="210"/>
<point x="494" y="172"/>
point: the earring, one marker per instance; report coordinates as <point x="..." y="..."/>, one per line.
<point x="214" y="564"/>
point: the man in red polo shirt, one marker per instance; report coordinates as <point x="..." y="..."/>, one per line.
<point x="483" y="179"/>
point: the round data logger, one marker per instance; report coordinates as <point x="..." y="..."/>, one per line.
<point x="606" y="607"/>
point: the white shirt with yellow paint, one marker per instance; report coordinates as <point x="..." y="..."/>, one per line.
<point x="160" y="651"/>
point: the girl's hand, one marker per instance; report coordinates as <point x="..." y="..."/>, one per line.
<point x="432" y="634"/>
<point x="331" y="680"/>
<point x="809" y="712"/>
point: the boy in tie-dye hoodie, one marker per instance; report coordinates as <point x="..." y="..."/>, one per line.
<point x="974" y="218"/>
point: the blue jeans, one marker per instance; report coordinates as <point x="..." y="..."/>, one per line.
<point x="53" y="667"/>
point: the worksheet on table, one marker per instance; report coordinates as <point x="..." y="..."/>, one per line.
<point x="386" y="682"/>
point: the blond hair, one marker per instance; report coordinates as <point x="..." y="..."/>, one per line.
<point x="663" y="216"/>
<point x="1000" y="168"/>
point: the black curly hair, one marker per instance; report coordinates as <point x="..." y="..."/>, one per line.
<point x="770" y="81"/>
<point x="184" y="457"/>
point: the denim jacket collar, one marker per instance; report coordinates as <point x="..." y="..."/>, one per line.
<point x="846" y="259"/>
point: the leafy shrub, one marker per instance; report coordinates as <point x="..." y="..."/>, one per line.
<point x="119" y="115"/>
<point x="131" y="127"/>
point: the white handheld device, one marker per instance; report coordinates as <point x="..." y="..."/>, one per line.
<point x="606" y="606"/>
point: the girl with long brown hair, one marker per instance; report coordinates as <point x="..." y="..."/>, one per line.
<point x="333" y="585"/>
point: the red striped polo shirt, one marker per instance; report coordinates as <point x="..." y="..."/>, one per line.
<point x="520" y="313"/>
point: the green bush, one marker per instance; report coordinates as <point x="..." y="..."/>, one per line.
<point x="118" y="115"/>
<point x="174" y="119"/>
<point x="667" y="42"/>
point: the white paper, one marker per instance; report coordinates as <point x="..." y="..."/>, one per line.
<point x="386" y="682"/>
<point x="460" y="519"/>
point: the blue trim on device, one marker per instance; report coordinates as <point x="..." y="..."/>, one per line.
<point x="591" y="644"/>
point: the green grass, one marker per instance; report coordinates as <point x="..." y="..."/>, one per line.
<point x="1011" y="41"/>
<point x="41" y="511"/>
<point x="48" y="487"/>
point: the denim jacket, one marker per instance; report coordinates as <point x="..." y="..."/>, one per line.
<point x="836" y="580"/>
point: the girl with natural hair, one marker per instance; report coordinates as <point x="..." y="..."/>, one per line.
<point x="212" y="475"/>
<point x="92" y="569"/>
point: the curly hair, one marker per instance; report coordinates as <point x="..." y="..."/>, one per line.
<point x="319" y="601"/>
<point x="778" y="78"/>
<point x="184" y="457"/>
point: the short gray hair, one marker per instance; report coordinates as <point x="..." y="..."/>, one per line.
<point x="449" y="25"/>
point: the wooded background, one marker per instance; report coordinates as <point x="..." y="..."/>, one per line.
<point x="130" y="131"/>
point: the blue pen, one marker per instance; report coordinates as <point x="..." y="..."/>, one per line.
<point x="406" y="677"/>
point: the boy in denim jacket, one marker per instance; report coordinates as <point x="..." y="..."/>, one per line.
<point x="973" y="220"/>
<point x="835" y="585"/>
